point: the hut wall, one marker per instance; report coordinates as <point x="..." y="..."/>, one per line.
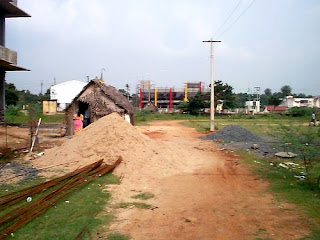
<point x="132" y="118"/>
<point x="71" y="110"/>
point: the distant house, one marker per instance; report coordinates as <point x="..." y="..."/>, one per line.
<point x="291" y="101"/>
<point x="273" y="108"/>
<point x="65" y="92"/>
<point x="252" y="106"/>
<point x="97" y="100"/>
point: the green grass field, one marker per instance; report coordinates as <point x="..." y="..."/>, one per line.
<point x="22" y="118"/>
<point x="80" y="213"/>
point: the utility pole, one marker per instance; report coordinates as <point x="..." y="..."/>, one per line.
<point x="41" y="86"/>
<point x="212" y="110"/>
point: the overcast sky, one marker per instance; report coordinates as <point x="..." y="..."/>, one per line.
<point x="273" y="43"/>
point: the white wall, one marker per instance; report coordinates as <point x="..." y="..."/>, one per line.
<point x="65" y="92"/>
<point x="253" y="106"/>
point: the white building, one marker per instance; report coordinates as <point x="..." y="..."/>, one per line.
<point x="253" y="106"/>
<point x="291" y="101"/>
<point x="65" y="92"/>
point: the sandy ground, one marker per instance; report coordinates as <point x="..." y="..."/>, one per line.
<point x="16" y="137"/>
<point x="15" y="143"/>
<point x="209" y="196"/>
<point x="201" y="191"/>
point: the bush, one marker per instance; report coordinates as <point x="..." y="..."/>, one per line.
<point x="304" y="142"/>
<point x="12" y="110"/>
<point x="13" y="115"/>
<point x="184" y="106"/>
<point x="143" y="112"/>
<point x="301" y="112"/>
<point x="37" y="108"/>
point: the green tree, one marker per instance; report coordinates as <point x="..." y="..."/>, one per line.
<point x="26" y="97"/>
<point x="198" y="103"/>
<point x="124" y="92"/>
<point x="184" y="106"/>
<point x="302" y="95"/>
<point x="240" y="99"/>
<point x="46" y="96"/>
<point x="135" y="100"/>
<point x="268" y="92"/>
<point x="274" y="99"/>
<point x="299" y="95"/>
<point x="286" y="91"/>
<point x="223" y="92"/>
<point x="263" y="100"/>
<point x="11" y="94"/>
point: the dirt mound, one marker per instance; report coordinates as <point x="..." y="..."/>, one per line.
<point x="108" y="138"/>
<point x="233" y="133"/>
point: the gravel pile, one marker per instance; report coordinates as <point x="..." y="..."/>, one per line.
<point x="233" y="133"/>
<point x="236" y="137"/>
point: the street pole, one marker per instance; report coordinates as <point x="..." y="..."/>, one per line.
<point x="212" y="109"/>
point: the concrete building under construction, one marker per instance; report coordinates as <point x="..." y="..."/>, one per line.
<point x="167" y="97"/>
<point x="8" y="57"/>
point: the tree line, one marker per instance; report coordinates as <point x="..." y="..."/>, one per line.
<point x="223" y="94"/>
<point x="16" y="97"/>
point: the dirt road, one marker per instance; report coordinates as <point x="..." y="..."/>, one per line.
<point x="210" y="196"/>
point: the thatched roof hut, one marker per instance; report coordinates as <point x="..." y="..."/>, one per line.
<point x="150" y="106"/>
<point x="97" y="100"/>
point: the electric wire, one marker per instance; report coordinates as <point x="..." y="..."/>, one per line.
<point x="225" y="21"/>
<point x="237" y="18"/>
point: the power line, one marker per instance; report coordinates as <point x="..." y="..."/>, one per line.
<point x="234" y="9"/>
<point x="237" y="19"/>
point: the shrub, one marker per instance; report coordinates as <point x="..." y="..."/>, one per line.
<point x="12" y="111"/>
<point x="143" y="112"/>
<point x="300" y="112"/>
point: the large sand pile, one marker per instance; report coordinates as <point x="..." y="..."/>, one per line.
<point x="108" y="138"/>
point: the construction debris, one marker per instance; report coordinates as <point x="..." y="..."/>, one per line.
<point x="285" y="154"/>
<point x="255" y="146"/>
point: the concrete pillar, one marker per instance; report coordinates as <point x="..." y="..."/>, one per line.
<point x="2" y="31"/>
<point x="2" y="96"/>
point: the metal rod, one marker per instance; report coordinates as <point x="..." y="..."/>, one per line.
<point x="24" y="214"/>
<point x="35" y="135"/>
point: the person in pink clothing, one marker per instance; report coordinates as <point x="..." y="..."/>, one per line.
<point x="78" y="122"/>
